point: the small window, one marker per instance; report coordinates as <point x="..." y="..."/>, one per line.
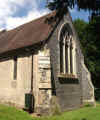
<point x="15" y="68"/>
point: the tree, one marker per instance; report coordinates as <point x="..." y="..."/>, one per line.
<point x="90" y="41"/>
<point x="81" y="27"/>
<point x="63" y="5"/>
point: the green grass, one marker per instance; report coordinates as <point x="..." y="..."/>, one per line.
<point x="86" y="113"/>
<point x="11" y="113"/>
<point x="98" y="103"/>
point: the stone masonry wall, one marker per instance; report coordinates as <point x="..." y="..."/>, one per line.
<point x="84" y="76"/>
<point x="13" y="91"/>
<point x="70" y="92"/>
<point x="44" y="80"/>
<point x="67" y="90"/>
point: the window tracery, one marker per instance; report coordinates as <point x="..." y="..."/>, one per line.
<point x="67" y="52"/>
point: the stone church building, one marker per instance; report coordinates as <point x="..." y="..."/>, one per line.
<point x="41" y="61"/>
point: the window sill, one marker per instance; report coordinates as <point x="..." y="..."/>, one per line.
<point x="69" y="76"/>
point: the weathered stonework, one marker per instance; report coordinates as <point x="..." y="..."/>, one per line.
<point x="40" y="83"/>
<point x="44" y="76"/>
<point x="14" y="88"/>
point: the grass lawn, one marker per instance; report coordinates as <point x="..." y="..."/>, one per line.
<point x="86" y="113"/>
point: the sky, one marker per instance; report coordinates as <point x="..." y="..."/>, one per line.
<point x="14" y="13"/>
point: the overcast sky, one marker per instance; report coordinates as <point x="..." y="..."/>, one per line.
<point x="17" y="12"/>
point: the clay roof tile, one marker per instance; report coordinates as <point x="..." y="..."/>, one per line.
<point x="25" y="35"/>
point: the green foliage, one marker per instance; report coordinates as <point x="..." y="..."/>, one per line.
<point x="97" y="94"/>
<point x="89" y="37"/>
<point x="59" y="4"/>
<point x="81" y="27"/>
<point x="93" y="5"/>
<point x="88" y="105"/>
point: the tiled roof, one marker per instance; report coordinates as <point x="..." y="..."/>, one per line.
<point x="26" y="35"/>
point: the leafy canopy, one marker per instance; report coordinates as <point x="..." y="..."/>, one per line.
<point x="91" y="5"/>
<point x="90" y="42"/>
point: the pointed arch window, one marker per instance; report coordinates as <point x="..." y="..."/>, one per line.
<point x="67" y="56"/>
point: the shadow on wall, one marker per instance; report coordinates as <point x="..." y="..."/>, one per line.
<point x="68" y="81"/>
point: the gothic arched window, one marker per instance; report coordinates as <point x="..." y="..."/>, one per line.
<point x="67" y="50"/>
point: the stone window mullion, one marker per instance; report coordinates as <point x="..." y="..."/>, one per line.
<point x="61" y="56"/>
<point x="71" y="57"/>
<point x="64" y="56"/>
<point x="68" y="55"/>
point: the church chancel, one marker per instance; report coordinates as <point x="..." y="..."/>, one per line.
<point x="44" y="61"/>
